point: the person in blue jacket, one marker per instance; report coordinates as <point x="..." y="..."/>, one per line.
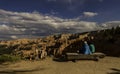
<point x="86" y="49"/>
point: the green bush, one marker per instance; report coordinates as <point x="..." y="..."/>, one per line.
<point x="9" y="58"/>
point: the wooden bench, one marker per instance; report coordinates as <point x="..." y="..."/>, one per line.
<point x="76" y="56"/>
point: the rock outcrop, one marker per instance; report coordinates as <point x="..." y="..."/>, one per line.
<point x="51" y="45"/>
<point x="57" y="45"/>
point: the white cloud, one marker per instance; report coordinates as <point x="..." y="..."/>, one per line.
<point x="24" y="21"/>
<point x="22" y="24"/>
<point x="13" y="37"/>
<point x="89" y="14"/>
<point x="4" y="27"/>
<point x="111" y="24"/>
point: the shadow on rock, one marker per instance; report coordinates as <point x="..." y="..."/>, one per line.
<point x="59" y="60"/>
<point x="20" y="71"/>
<point x="115" y="71"/>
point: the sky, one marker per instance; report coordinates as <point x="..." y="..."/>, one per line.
<point x="34" y="18"/>
<point x="107" y="10"/>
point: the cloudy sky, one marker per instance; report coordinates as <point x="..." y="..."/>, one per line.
<point x="35" y="18"/>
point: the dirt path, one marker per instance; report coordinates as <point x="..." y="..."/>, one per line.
<point x="108" y="65"/>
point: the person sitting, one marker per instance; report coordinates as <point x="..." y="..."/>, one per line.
<point x="86" y="49"/>
<point x="92" y="47"/>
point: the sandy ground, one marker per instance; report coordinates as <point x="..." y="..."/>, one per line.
<point x="107" y="65"/>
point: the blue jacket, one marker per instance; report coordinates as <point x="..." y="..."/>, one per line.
<point x="86" y="49"/>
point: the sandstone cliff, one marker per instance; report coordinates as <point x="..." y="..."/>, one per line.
<point x="59" y="44"/>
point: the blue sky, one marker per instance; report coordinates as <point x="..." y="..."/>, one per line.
<point x="35" y="18"/>
<point x="107" y="10"/>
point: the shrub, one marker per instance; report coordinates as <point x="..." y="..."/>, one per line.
<point x="9" y="58"/>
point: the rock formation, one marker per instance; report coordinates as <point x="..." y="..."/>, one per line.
<point x="38" y="48"/>
<point x="57" y="45"/>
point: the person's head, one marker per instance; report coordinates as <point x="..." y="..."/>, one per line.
<point x="92" y="37"/>
<point x="85" y="42"/>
